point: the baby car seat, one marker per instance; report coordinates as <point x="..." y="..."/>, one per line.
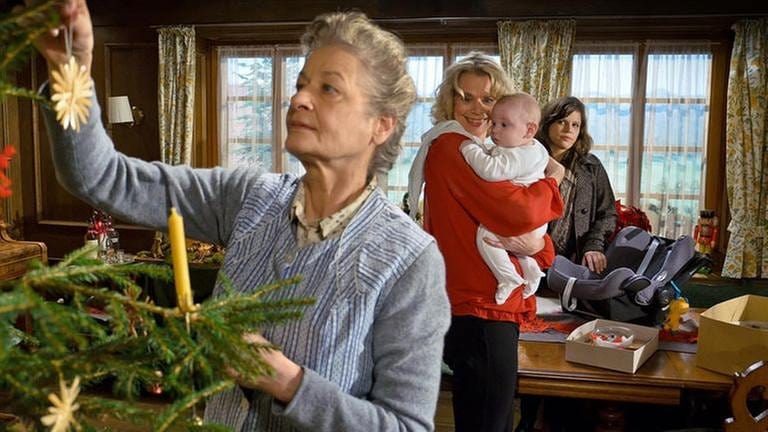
<point x="638" y="283"/>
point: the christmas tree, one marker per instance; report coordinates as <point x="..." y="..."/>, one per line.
<point x="91" y="330"/>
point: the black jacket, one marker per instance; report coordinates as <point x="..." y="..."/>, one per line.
<point x="594" y="211"/>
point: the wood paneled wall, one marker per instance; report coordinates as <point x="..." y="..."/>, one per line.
<point x="125" y="63"/>
<point x="149" y="12"/>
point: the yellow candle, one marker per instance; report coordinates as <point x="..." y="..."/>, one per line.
<point x="180" y="266"/>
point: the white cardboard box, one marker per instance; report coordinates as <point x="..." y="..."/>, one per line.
<point x="580" y="349"/>
<point x="732" y="334"/>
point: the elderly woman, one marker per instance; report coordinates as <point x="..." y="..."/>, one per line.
<point x="481" y="345"/>
<point x="367" y="356"/>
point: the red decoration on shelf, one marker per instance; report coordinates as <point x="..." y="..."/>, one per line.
<point x="5" y="160"/>
<point x="101" y="229"/>
<point x="630" y="216"/>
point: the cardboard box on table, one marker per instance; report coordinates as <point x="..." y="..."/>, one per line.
<point x="580" y="349"/>
<point x="733" y="334"/>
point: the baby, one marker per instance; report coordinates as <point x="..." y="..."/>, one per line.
<point x="517" y="157"/>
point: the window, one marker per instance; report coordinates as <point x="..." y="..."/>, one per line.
<point x="647" y="105"/>
<point x="255" y="86"/>
<point x="648" y="110"/>
<point x="426" y="64"/>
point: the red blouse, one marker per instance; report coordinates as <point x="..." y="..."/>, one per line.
<point x="456" y="202"/>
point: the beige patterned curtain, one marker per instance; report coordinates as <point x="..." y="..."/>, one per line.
<point x="537" y="56"/>
<point x="176" y="95"/>
<point x="746" y="146"/>
<point x="176" y="102"/>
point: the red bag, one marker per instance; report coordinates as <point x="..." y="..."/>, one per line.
<point x="630" y="216"/>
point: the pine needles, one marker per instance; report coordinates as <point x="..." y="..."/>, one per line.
<point x="89" y="320"/>
<point x="18" y="31"/>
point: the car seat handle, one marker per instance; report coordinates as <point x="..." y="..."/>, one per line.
<point x="566" y="302"/>
<point x="648" y="256"/>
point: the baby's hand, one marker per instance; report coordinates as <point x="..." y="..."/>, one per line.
<point x="555" y="170"/>
<point x="525" y="244"/>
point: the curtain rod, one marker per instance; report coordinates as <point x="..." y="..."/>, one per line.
<point x="563" y="17"/>
<point x="447" y="20"/>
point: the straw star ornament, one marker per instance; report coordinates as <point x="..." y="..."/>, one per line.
<point x="72" y="91"/>
<point x="62" y="413"/>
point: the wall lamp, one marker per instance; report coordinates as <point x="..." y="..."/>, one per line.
<point x="119" y="110"/>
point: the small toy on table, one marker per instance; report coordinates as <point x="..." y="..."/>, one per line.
<point x="677" y="308"/>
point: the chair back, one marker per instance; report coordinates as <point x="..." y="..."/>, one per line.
<point x="751" y="387"/>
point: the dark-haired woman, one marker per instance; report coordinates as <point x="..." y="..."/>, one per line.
<point x="589" y="216"/>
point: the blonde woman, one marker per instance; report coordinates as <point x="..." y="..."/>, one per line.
<point x="481" y="345"/>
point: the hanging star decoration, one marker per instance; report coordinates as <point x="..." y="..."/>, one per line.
<point x="72" y="91"/>
<point x="64" y="407"/>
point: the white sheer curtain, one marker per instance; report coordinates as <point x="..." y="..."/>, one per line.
<point x="676" y="118"/>
<point x="290" y="63"/>
<point x="647" y="110"/>
<point x="602" y="78"/>
<point x="245" y="109"/>
<point x="255" y="87"/>
<point x="425" y="65"/>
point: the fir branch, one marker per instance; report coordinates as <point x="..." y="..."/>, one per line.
<point x="99" y="408"/>
<point x="106" y="296"/>
<point x="18" y="32"/>
<point x="226" y="302"/>
<point x="15" y="49"/>
<point x="163" y="347"/>
<point x="209" y="427"/>
<point x="80" y="257"/>
<point x="50" y="326"/>
<point x="32" y="389"/>
<point x="173" y="412"/>
<point x="7" y="89"/>
<point x="14" y="303"/>
<point x="16" y="308"/>
<point x="119" y="322"/>
<point x="129" y="383"/>
<point x="78" y="267"/>
<point x="35" y="14"/>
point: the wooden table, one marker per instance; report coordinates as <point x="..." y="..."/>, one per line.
<point x="663" y="379"/>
